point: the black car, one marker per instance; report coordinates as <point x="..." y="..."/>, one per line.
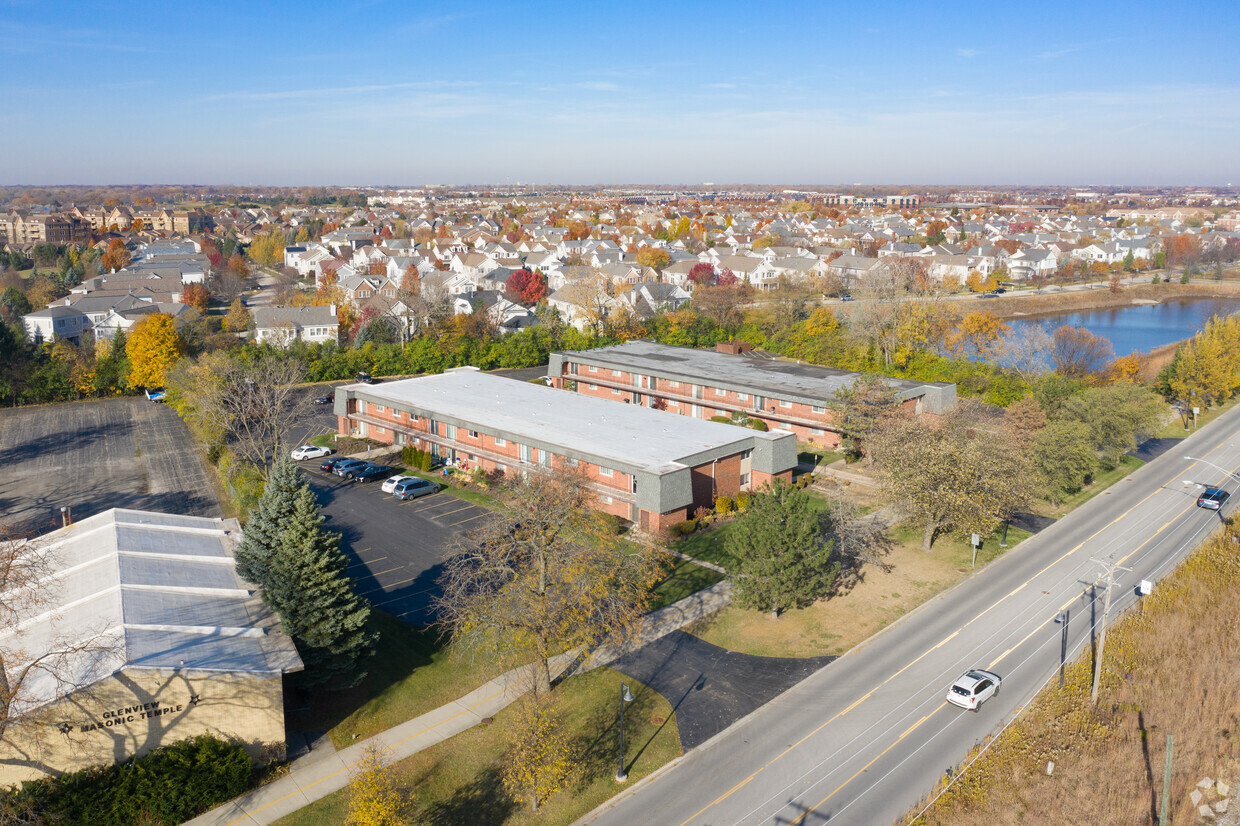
<point x="1212" y="499"/>
<point x="365" y="378"/>
<point x="370" y="473"/>
<point x="322" y="400"/>
<point x="329" y="464"/>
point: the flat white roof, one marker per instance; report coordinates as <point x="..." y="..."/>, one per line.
<point x="626" y="434"/>
<point x="148" y="590"/>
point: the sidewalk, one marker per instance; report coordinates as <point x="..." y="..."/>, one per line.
<point x="317" y="775"/>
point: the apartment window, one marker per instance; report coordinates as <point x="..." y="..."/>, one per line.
<point x="783" y="403"/>
<point x="673" y="384"/>
<point x="673" y="404"/>
<point x="819" y="408"/>
<point x="378" y="408"/>
<point x="743" y="396"/>
<point x="744" y="479"/>
<point x="719" y="391"/>
<point x="818" y="431"/>
<point x="500" y="442"/>
<point x="473" y="434"/>
<point x="606" y="500"/>
<point x="592" y="386"/>
<point x="616" y="373"/>
<point x="615" y="391"/>
<point x="605" y="471"/>
<point x="450" y="431"/>
<point x="525" y="453"/>
<point x="593" y="369"/>
<point x="745" y="454"/>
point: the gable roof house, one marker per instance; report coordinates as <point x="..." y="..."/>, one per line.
<point x="281" y="326"/>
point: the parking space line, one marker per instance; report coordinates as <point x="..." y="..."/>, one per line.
<point x="366" y="562"/>
<point x="472" y="518"/>
<point x="387" y="571"/>
<point x="458" y="510"/>
<point x="384" y="587"/>
<point x="428" y="504"/>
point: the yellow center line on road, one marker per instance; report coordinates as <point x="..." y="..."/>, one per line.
<point x="930" y="650"/>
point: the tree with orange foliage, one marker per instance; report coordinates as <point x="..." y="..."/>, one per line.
<point x="1182" y="250"/>
<point x="117" y="256"/>
<point x="1128" y="368"/>
<point x="196" y="296"/>
<point x="653" y="257"/>
<point x="1079" y="354"/>
<point x="978" y="335"/>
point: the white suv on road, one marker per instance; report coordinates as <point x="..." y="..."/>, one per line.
<point x="974" y="688"/>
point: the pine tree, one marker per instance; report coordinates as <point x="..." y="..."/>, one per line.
<point x="782" y="550"/>
<point x="267" y="521"/>
<point x="316" y="600"/>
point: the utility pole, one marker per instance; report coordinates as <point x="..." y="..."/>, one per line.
<point x="1111" y="568"/>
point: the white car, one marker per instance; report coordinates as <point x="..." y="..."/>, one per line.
<point x="974" y="688"/>
<point x="390" y="484"/>
<point x="311" y="452"/>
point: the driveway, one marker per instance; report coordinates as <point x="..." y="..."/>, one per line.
<point x="710" y="687"/>
<point x="94" y="455"/>
<point x="395" y="549"/>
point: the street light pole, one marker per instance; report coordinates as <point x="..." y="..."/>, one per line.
<point x="625" y="697"/>
<point x="1230" y="473"/>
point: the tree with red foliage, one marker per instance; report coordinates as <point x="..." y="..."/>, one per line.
<point x="703" y="274"/>
<point x="212" y="251"/>
<point x="1183" y="250"/>
<point x="527" y="287"/>
<point x="726" y="278"/>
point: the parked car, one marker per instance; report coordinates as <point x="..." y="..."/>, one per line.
<point x="310" y="452"/>
<point x="322" y="400"/>
<point x="412" y="487"/>
<point x="369" y="473"/>
<point x="1212" y="499"/>
<point x="391" y="483"/>
<point x="330" y="464"/>
<point x="999" y="290"/>
<point x="156" y="394"/>
<point x="349" y="466"/>
<point x="846" y="297"/>
<point x="365" y="378"/>
<point x="974" y="688"/>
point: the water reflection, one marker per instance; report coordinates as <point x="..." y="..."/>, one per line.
<point x="1142" y="327"/>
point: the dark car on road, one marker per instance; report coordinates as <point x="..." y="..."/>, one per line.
<point x="321" y="400"/>
<point x="365" y="378"/>
<point x="329" y="464"/>
<point x="370" y="473"/>
<point x="348" y="467"/>
<point x="1212" y="499"/>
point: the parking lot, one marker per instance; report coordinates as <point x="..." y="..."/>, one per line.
<point x="395" y="549"/>
<point x="94" y="455"/>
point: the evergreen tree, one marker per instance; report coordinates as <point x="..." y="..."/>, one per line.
<point x="266" y="522"/>
<point x="782" y="548"/>
<point x="316" y="600"/>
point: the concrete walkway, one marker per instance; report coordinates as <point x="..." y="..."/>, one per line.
<point x="319" y="774"/>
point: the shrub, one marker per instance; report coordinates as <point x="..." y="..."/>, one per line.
<point x="721" y="419"/>
<point x="742" y="501"/>
<point x="424" y="461"/>
<point x="168" y="786"/>
<point x="723" y="505"/>
<point x="683" y="528"/>
<point x="758" y="424"/>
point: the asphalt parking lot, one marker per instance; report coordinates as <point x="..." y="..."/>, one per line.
<point x="94" y="455"/>
<point x="395" y="549"/>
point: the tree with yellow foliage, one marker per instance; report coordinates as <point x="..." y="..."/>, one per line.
<point x="978" y="335"/>
<point x="538" y="761"/>
<point x="373" y="797"/>
<point x="153" y="346"/>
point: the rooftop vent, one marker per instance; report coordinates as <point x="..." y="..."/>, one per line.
<point x="733" y="348"/>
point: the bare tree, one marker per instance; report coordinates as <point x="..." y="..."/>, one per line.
<point x="1026" y="350"/>
<point x="246" y="405"/>
<point x="883" y="294"/>
<point x="544" y="578"/>
<point x="429" y="302"/>
<point x="32" y="673"/>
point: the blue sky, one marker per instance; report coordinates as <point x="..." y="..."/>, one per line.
<point x="373" y="92"/>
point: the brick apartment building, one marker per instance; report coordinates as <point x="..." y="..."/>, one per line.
<point x="786" y="395"/>
<point x="647" y="466"/>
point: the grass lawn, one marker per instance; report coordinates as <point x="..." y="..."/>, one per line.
<point x="708" y="545"/>
<point x="457" y="781"/>
<point x="1175" y="429"/>
<point x="849" y="617"/>
<point x="409" y="675"/>
<point x="684" y="579"/>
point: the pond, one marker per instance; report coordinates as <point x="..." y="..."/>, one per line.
<point x="1141" y="327"/>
